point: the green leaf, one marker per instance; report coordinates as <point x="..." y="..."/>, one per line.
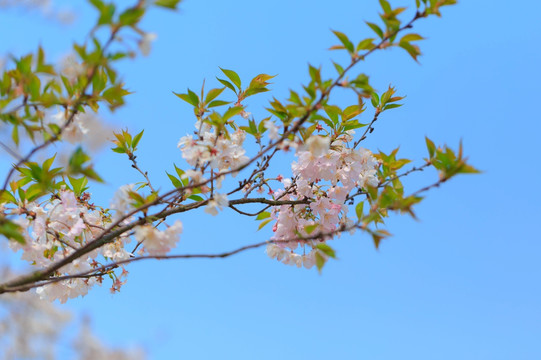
<point x="310" y="228"/>
<point x="413" y="50"/>
<point x="385" y="6"/>
<point x="232" y="111"/>
<point x="431" y="147"/>
<point x="366" y="44"/>
<point x="345" y="41"/>
<point x="351" y="111"/>
<point x="227" y="84"/>
<point x="78" y="185"/>
<point x="359" y="210"/>
<point x="193" y="97"/>
<point x="78" y="158"/>
<point x="375" y="100"/>
<point x="15" y="135"/>
<point x="327" y="250"/>
<point x="263" y="215"/>
<point x="253" y="91"/>
<point x="180" y="172"/>
<point x="115" y="96"/>
<point x="190" y="100"/>
<point x="176" y="182"/>
<point x="34" y="87"/>
<point x="98" y="4"/>
<point x="11" y="230"/>
<point x="375" y="28"/>
<point x="106" y="14"/>
<point x="170" y="4"/>
<point x="378" y="236"/>
<point x="333" y="112"/>
<point x="7" y="197"/>
<point x="47" y="163"/>
<point x="338" y="68"/>
<point x="315" y="74"/>
<point x="263" y="223"/>
<point x="136" y="139"/>
<point x="411" y="37"/>
<point x="76" y="162"/>
<point x="391" y="106"/>
<point x="218" y="103"/>
<point x="92" y="174"/>
<point x="376" y="239"/>
<point x="195" y="198"/>
<point x="320" y="261"/>
<point x="67" y="85"/>
<point x="213" y="94"/>
<point x="352" y="125"/>
<point x="233" y="76"/>
<point x="34" y="191"/>
<point x="119" y="150"/>
<point x="131" y="16"/>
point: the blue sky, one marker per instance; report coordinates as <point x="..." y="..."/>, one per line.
<point x="460" y="283"/>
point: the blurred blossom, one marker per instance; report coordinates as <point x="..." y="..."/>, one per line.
<point x="31" y="328"/>
<point x="146" y="42"/>
<point x="45" y="7"/>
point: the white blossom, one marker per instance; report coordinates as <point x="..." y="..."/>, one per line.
<point x="318" y="145"/>
<point x="75" y="131"/>
<point x="146" y="42"/>
<point x="273" y="129"/>
<point x="218" y="202"/>
<point x="121" y="202"/>
<point x="158" y="242"/>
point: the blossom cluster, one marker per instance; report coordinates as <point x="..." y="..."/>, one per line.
<point x="324" y="175"/>
<point x="84" y="128"/>
<point x="158" y="242"/>
<point x="219" y="151"/>
<point x="290" y="258"/>
<point x="59" y="227"/>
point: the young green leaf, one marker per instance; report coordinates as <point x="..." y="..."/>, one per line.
<point x="213" y="94"/>
<point x="375" y="28"/>
<point x="169" y="4"/>
<point x="345" y="41"/>
<point x="227" y="84"/>
<point x="431" y="147"/>
<point x="136" y="140"/>
<point x="263" y="215"/>
<point x="233" y="76"/>
<point x="326" y="249"/>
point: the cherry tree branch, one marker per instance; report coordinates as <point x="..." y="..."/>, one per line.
<point x="368" y="130"/>
<point x="114" y="231"/>
<point x="99" y="271"/>
<point x="41" y="278"/>
<point x="144" y="173"/>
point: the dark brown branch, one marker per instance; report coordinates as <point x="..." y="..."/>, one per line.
<point x="413" y="169"/>
<point x="144" y="173"/>
<point x="368" y="130"/>
<point x="10" y="151"/>
<point x="105" y="268"/>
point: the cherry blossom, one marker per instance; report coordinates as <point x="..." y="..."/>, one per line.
<point x="218" y="202"/>
<point x="75" y="131"/>
<point x="326" y="175"/>
<point x="158" y="242"/>
<point x="146" y="42"/>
